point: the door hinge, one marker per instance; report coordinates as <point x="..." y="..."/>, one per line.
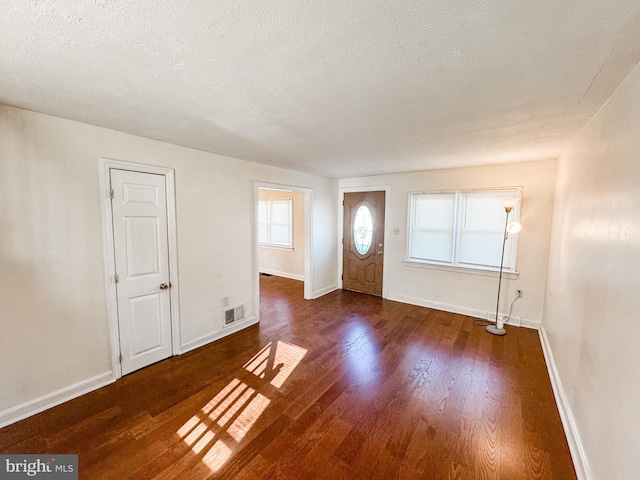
<point x="111" y="193"/>
<point x="341" y="277"/>
<point x="116" y="278"/>
<point x="120" y="358"/>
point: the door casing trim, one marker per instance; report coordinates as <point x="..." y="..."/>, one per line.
<point x="105" y="164"/>
<point x="387" y="196"/>
<point x="308" y="237"/>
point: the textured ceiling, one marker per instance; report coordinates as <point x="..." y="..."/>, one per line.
<point x="331" y="87"/>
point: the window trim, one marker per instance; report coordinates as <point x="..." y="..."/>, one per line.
<point x="454" y="265"/>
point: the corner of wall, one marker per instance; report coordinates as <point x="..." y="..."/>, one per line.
<point x="568" y="422"/>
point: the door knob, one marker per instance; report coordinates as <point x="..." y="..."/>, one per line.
<point x="163" y="286"/>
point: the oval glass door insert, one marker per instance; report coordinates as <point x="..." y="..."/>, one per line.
<point x="363" y="229"/>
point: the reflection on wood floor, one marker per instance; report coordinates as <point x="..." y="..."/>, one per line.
<point x="348" y="386"/>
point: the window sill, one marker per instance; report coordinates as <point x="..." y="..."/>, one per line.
<point x="276" y="247"/>
<point x="459" y="269"/>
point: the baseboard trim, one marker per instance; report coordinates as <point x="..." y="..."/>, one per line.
<point x="324" y="291"/>
<point x="277" y="273"/>
<point x="212" y="337"/>
<point x="471" y="312"/>
<point x="528" y="323"/>
<point x="568" y="422"/>
<point x="40" y="404"/>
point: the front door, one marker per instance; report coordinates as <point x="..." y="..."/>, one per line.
<point x="139" y="208"/>
<point x="362" y="242"/>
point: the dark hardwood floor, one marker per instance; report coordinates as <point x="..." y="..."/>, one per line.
<point x="348" y="386"/>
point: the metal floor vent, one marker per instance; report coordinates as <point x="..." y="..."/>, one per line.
<point x="233" y="314"/>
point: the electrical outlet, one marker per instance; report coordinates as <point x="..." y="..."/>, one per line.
<point x="225" y="301"/>
<point x="519" y="293"/>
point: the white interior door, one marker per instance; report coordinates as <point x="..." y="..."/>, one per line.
<point x="139" y="209"/>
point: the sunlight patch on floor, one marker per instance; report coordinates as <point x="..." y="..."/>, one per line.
<point x="218" y="428"/>
<point x="203" y="442"/>
<point x="275" y="363"/>
<point x="243" y="423"/>
<point x="216" y="457"/>
<point x="226" y="391"/>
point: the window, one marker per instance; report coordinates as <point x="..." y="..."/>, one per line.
<point x="363" y="229"/>
<point x="461" y="229"/>
<point x="275" y="223"/>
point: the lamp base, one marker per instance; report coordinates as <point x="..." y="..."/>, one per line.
<point x="495" y="330"/>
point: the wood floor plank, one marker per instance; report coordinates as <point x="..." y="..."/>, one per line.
<point x="347" y="386"/>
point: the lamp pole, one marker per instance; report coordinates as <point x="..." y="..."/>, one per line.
<point x="508" y="204"/>
<point x="498" y="328"/>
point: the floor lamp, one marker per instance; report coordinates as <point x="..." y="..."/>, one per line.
<point x="514" y="227"/>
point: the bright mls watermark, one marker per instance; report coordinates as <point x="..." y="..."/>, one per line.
<point x="45" y="466"/>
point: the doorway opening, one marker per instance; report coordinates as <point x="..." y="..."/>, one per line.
<point x="283" y="234"/>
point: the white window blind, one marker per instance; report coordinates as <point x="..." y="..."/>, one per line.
<point x="432" y="225"/>
<point x="461" y="228"/>
<point x="275" y="222"/>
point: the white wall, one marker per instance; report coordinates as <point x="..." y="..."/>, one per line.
<point x="54" y="332"/>
<point x="591" y="317"/>
<point x="286" y="263"/>
<point x="471" y="294"/>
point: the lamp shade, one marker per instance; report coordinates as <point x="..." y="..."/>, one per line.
<point x="509" y="202"/>
<point x="514" y="227"/>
